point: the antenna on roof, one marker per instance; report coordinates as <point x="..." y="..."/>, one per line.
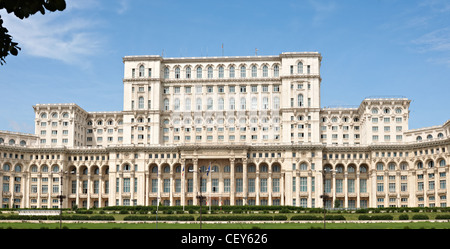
<point x="256" y="51"/>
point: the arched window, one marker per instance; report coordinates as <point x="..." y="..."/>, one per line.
<point x="199" y="72"/>
<point x="187" y="104"/>
<point x="177" y="73"/>
<point x="254" y="103"/>
<point x="166" y="104"/>
<point x="419" y="138"/>
<point x="276" y="103"/>
<point x="12" y="142"/>
<point x="243" y="103"/>
<point x="55" y="115"/>
<point x="215" y="169"/>
<point x="198" y="104"/>
<point x="1" y="140"/>
<point x="429" y="137"/>
<point x="155" y="169"/>
<point x="254" y="72"/>
<point x="263" y="168"/>
<point x="300" y="100"/>
<point x="239" y="168"/>
<point x="141" y="102"/>
<point x="141" y="71"/>
<point x="44" y="115"/>
<point x="166" y="73"/>
<point x="6" y="167"/>
<point x="265" y="71"/>
<point x="398" y="110"/>
<point x="380" y="166"/>
<point x="44" y="168"/>
<point x="167" y="169"/>
<point x="65" y="115"/>
<point x="265" y="103"/>
<point x="430" y="164"/>
<point x="243" y="72"/>
<point x="34" y="169"/>
<point x="419" y="165"/>
<point x="440" y="135"/>
<point x="226" y="169"/>
<point x="221" y="72"/>
<point x="276" y="168"/>
<point x="251" y="168"/>
<point x="23" y="143"/>
<point x="374" y="111"/>
<point x="391" y="166"/>
<point x="363" y="169"/>
<point x="232" y="73"/>
<point x="18" y="168"/>
<point x="55" y="168"/>
<point x="188" y="72"/>
<point x="300" y="68"/>
<point x="209" y="105"/>
<point x="351" y="169"/>
<point x="276" y="71"/>
<point x="178" y="169"/>
<point x="442" y="163"/>
<point x="221" y="104"/>
<point x="232" y="104"/>
<point x="210" y="72"/>
<point x="176" y="104"/>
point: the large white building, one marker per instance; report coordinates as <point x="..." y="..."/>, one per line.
<point x="256" y="121"/>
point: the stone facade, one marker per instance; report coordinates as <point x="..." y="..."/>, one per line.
<point x="238" y="130"/>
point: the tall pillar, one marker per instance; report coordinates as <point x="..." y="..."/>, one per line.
<point x="232" y="183"/>
<point x="245" y="180"/>
<point x="195" y="187"/>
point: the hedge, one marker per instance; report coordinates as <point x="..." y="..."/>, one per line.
<point x="375" y="217"/>
<point x="56" y="217"/>
<point x="243" y="217"/>
<point x="161" y="218"/>
<point x="420" y="217"/>
<point x="443" y="217"/>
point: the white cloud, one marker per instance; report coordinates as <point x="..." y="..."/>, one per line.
<point x="62" y="36"/>
<point x="437" y="40"/>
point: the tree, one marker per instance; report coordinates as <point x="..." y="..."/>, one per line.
<point x="23" y="9"/>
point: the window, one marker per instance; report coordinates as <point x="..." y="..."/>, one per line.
<point x="276" y="71"/>
<point x="141" y="71"/>
<point x="221" y="72"/>
<point x="300" y="68"/>
<point x="166" y="73"/>
<point x="210" y="72"/>
<point x="199" y="72"/>
<point x="300" y="100"/>
<point x="232" y="73"/>
<point x="141" y="102"/>
<point x="265" y="71"/>
<point x="166" y="104"/>
<point x="188" y="72"/>
<point x="177" y="73"/>
<point x="254" y="71"/>
<point x="243" y="71"/>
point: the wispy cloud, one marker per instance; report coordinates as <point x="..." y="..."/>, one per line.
<point x="437" y="40"/>
<point x="322" y="9"/>
<point x="62" y="36"/>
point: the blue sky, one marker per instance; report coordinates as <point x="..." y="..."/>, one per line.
<point x="369" y="48"/>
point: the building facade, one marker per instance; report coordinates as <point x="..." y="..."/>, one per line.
<point x="238" y="130"/>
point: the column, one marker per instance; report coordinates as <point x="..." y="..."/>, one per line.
<point x="89" y="190"/>
<point x="245" y="180"/>
<point x="345" y="189"/>
<point x="78" y="190"/>
<point x="333" y="186"/>
<point x="195" y="187"/>
<point x="147" y="187"/>
<point x="171" y="187"/>
<point x="282" y="184"/>
<point x="100" y="190"/>
<point x="232" y="183"/>
<point x="183" y="182"/>
<point x="357" y="190"/>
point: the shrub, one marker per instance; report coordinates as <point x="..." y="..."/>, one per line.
<point x="420" y="217"/>
<point x="305" y="217"/>
<point x="443" y="217"/>
<point x="375" y="217"/>
<point x="403" y="217"/>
